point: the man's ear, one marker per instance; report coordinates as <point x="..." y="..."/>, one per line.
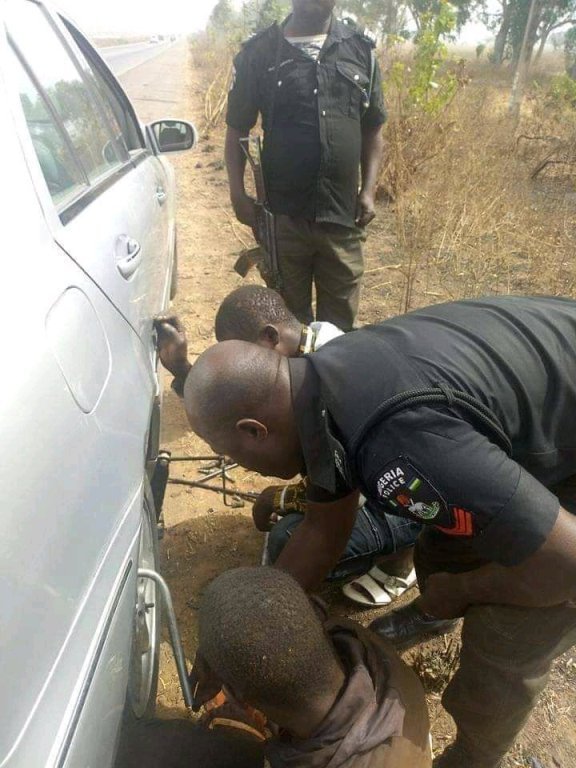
<point x="255" y="429"/>
<point x="269" y="336"/>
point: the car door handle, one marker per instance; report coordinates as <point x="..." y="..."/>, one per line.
<point x="129" y="253"/>
<point x="161" y="195"/>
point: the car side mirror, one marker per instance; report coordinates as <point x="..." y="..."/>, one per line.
<point x="173" y="135"/>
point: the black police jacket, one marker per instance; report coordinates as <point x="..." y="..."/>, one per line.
<point x="488" y="426"/>
<point x="313" y="114"/>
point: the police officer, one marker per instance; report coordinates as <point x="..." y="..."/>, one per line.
<point x="316" y="84"/>
<point x="464" y="421"/>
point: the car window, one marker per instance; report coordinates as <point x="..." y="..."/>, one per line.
<point x="62" y="173"/>
<point x="118" y="109"/>
<point x="101" y="88"/>
<point x="57" y="76"/>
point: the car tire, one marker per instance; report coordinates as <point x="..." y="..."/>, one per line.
<point x="174" y="280"/>
<point x="145" y="653"/>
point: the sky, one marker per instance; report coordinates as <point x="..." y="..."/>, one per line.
<point x="135" y="17"/>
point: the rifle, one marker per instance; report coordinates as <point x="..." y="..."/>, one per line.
<point x="265" y="256"/>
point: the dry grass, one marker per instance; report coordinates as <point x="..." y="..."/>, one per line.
<point x="468" y="217"/>
<point x="470" y="220"/>
<point x="213" y="56"/>
<point x="435" y="663"/>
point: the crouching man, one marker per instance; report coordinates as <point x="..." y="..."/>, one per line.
<point x="335" y="695"/>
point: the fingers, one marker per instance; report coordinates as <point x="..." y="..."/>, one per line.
<point x="166" y="322"/>
<point x="365" y="218"/>
<point x="263" y="518"/>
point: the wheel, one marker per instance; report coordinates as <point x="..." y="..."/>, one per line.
<point x="174" y="280"/>
<point x="145" y="655"/>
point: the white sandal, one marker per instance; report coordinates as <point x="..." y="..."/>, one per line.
<point x="377" y="588"/>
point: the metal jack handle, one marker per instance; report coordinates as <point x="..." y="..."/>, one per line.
<point x="177" y="649"/>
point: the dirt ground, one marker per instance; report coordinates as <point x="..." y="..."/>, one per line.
<point x="203" y="537"/>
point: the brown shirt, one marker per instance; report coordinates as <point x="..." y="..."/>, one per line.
<point x="380" y="719"/>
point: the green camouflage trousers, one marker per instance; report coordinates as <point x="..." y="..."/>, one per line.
<point x="328" y="256"/>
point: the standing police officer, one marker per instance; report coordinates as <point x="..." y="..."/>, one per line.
<point x="465" y="420"/>
<point x="316" y="84"/>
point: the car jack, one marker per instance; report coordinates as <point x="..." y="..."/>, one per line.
<point x="218" y="468"/>
<point x="175" y="639"/>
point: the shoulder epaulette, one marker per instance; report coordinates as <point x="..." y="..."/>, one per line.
<point x="369" y="36"/>
<point x="365" y="33"/>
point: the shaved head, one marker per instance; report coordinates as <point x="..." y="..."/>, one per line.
<point x="230" y="381"/>
<point x="237" y="398"/>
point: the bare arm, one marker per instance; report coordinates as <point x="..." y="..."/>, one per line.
<point x="318" y="542"/>
<point x="242" y="203"/>
<point x="372" y="149"/>
<point x="545" y="579"/>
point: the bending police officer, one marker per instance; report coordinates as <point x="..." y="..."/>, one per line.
<point x="467" y="423"/>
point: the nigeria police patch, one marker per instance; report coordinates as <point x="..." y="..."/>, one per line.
<point x="407" y="492"/>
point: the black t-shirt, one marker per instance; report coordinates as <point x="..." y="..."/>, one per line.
<point x="437" y="463"/>
<point x="313" y="113"/>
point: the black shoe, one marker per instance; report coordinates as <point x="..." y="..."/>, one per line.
<point x="455" y="756"/>
<point x="408" y="626"/>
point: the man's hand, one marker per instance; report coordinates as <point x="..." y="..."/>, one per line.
<point x="263" y="512"/>
<point x="316" y="545"/>
<point x="442" y="597"/>
<point x="276" y="501"/>
<point x="172" y="345"/>
<point x="245" y="209"/>
<point x="365" y="209"/>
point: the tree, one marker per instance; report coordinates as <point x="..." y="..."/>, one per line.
<point x="510" y="23"/>
<point x="256" y="15"/>
<point x="222" y="17"/>
<point x="422" y="8"/>
<point x="554" y="17"/>
<point x="570" y="52"/>
<point x="270" y="11"/>
<point x="389" y="17"/>
<point x="502" y="22"/>
<point x="372" y="14"/>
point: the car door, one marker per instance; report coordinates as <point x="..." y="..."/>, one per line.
<point x="115" y="225"/>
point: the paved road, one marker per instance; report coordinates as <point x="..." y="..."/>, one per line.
<point x="121" y="58"/>
<point x="158" y="87"/>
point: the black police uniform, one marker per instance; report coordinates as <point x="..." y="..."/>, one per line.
<point x="489" y="427"/>
<point x="313" y="113"/>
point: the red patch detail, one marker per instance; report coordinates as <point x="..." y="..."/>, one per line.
<point x="463" y="525"/>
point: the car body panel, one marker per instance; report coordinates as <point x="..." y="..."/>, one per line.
<point x="101" y="258"/>
<point x="78" y="393"/>
<point x="93" y="740"/>
<point x="86" y="474"/>
<point x="137" y="207"/>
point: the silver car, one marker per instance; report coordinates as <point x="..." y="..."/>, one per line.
<point x="88" y="260"/>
